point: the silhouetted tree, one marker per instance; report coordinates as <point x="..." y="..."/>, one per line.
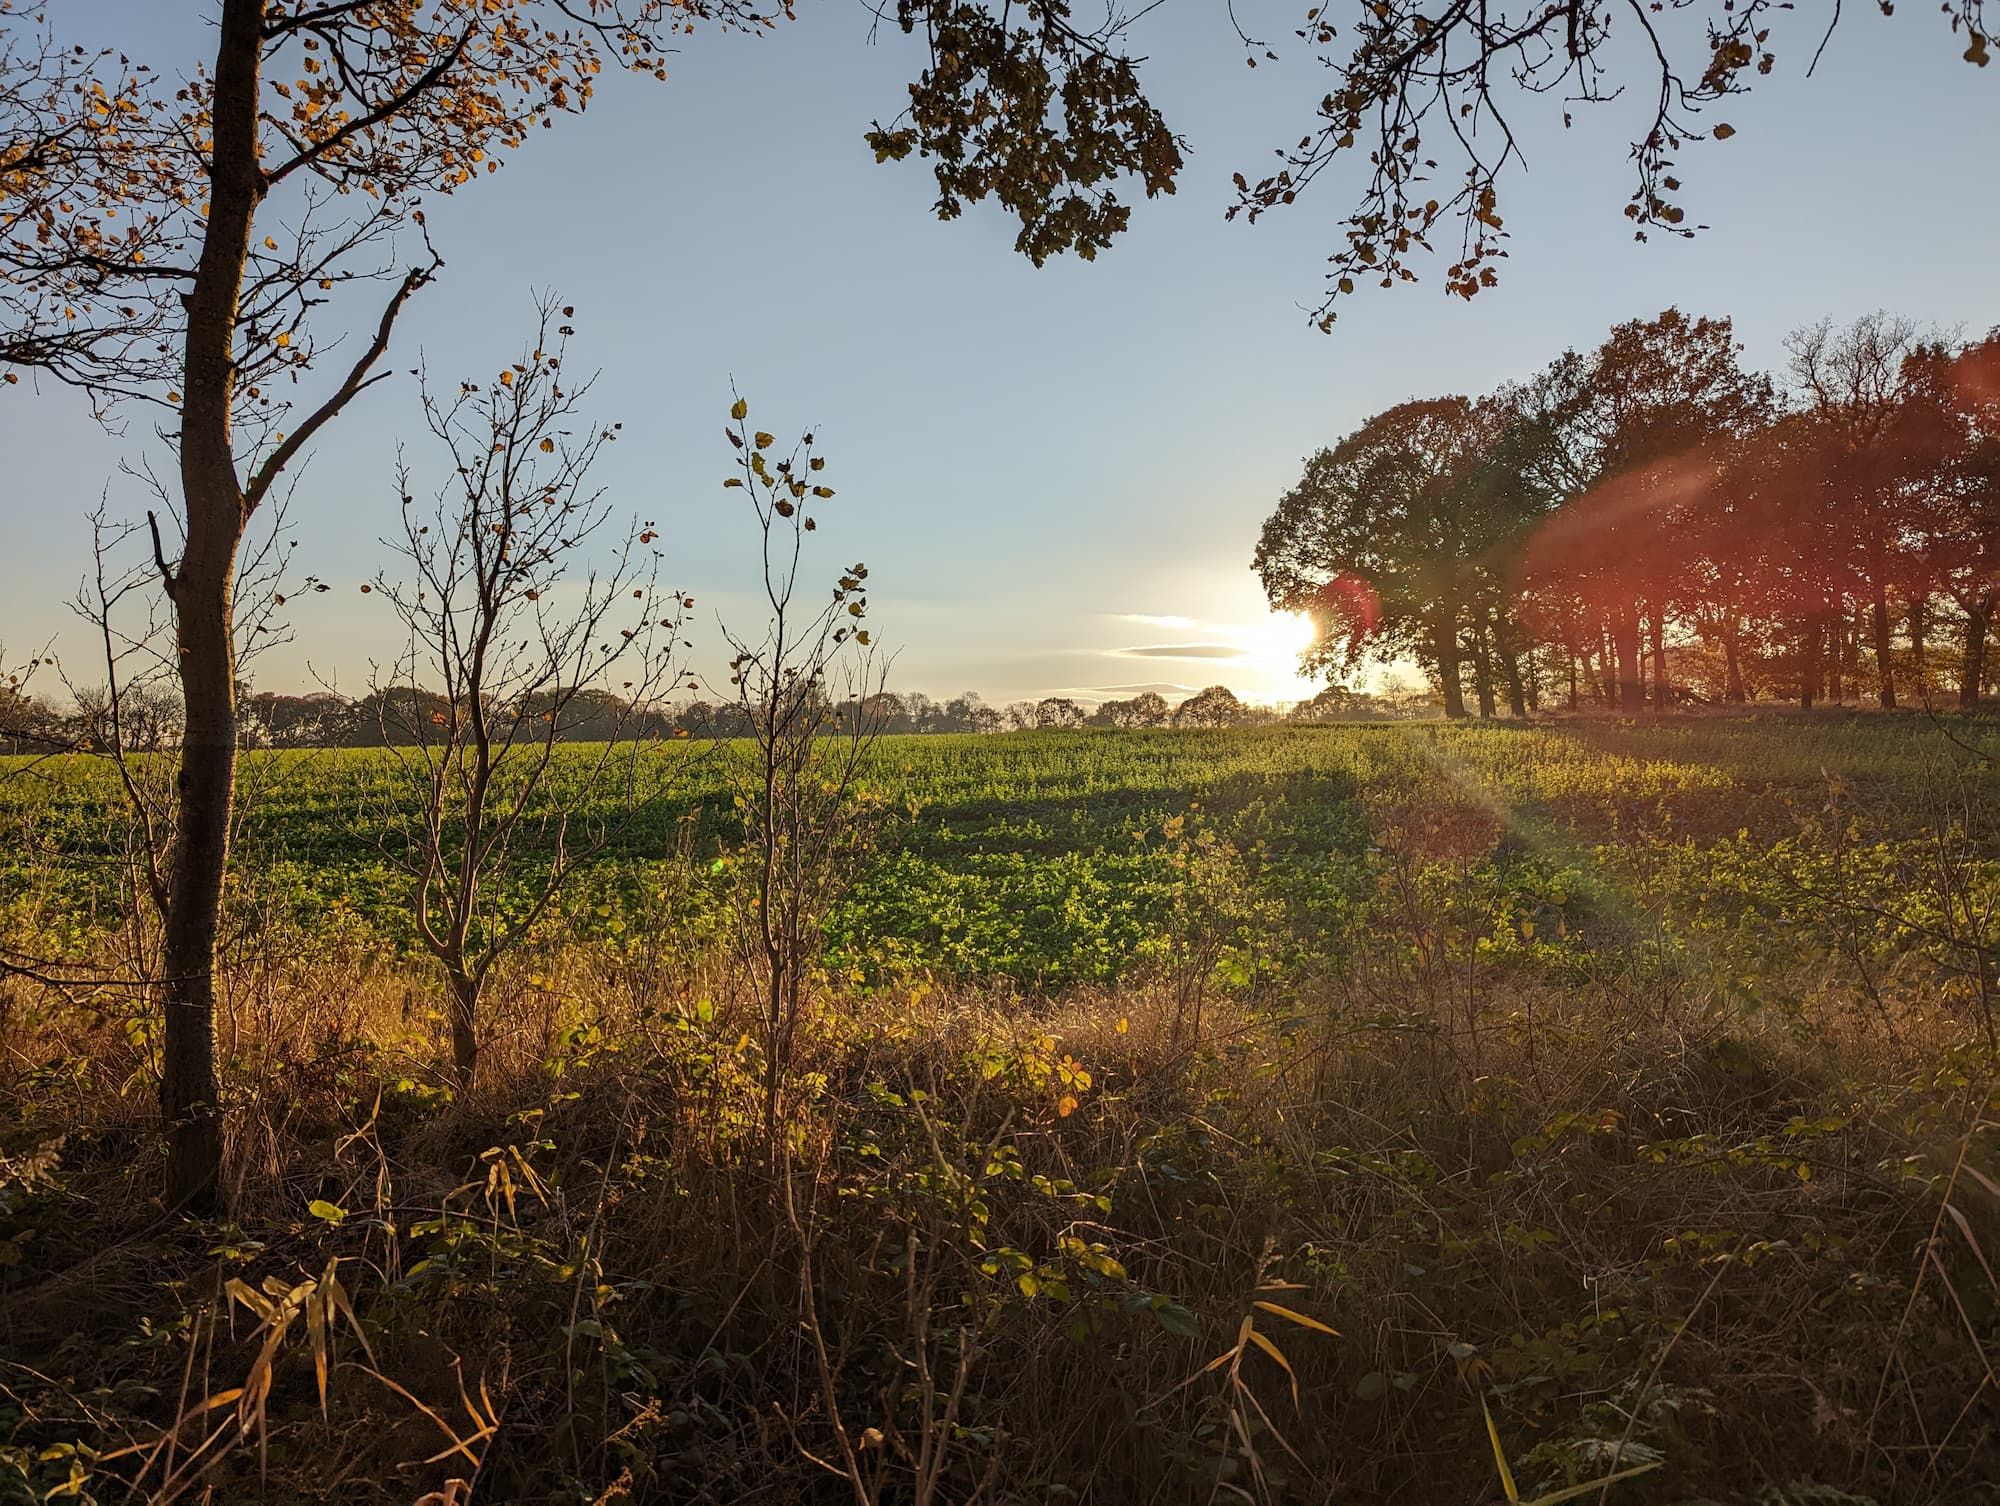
<point x="1147" y="709"/>
<point x="1216" y="706"/>
<point x="1641" y="427"/>
<point x="1379" y="541"/>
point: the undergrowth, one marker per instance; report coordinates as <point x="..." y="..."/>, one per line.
<point x="1625" y="1165"/>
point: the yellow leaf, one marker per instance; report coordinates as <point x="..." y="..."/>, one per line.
<point x="765" y="441"/>
<point x="1066" y="1105"/>
<point x="1297" y="1317"/>
<point x="741" y="411"/>
<point x="1507" y="1485"/>
<point x="284" y="337"/>
<point x="506" y="379"/>
<point x="1124" y="1025"/>
<point x="1277" y="1354"/>
<point x="548" y="447"/>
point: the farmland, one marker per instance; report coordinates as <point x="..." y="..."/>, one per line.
<point x="1038" y="858"/>
<point x="1586" y="1096"/>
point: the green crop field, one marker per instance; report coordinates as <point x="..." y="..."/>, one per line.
<point x="1045" y="859"/>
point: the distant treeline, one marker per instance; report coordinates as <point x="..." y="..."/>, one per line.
<point x="148" y="720"/>
<point x="1652" y="523"/>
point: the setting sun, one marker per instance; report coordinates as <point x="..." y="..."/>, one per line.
<point x="1272" y="647"/>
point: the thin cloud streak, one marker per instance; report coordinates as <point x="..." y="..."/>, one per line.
<point x="1229" y="651"/>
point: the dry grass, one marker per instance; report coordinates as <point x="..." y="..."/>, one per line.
<point x="1010" y="1252"/>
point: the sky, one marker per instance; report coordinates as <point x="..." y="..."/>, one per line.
<point x="1056" y="476"/>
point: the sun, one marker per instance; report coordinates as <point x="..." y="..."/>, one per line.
<point x="1272" y="647"/>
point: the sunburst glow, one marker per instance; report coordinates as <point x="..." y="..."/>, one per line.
<point x="1271" y="648"/>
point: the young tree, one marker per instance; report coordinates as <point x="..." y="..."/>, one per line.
<point x="806" y="820"/>
<point x="517" y="628"/>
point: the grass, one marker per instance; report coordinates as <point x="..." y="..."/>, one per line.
<point x="1621" y="1096"/>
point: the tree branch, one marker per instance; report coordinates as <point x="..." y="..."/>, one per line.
<point x="388" y="109"/>
<point x="357" y="379"/>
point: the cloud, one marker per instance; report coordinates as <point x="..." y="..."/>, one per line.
<point x="1184" y="651"/>
<point x="1158" y="620"/>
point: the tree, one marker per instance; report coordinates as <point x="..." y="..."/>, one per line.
<point x="1640" y="427"/>
<point x="27" y="722"/>
<point x="1852" y="382"/>
<point x="515" y="632"/>
<point x="1056" y="711"/>
<point x="1336" y="703"/>
<point x="1147" y="709"/>
<point x="1376" y="542"/>
<point x="807" y="822"/>
<point x="1216" y="706"/>
<point x="968" y="713"/>
<point x="318" y="720"/>
<point x="1948" y="442"/>
<point x="1413" y="76"/>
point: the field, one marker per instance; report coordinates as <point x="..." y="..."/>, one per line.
<point x="1397" y="1112"/>
<point x="1039" y="859"/>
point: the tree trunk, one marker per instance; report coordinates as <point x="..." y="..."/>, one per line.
<point x="1885" y="675"/>
<point x="202" y="588"/>
<point x="1811" y="635"/>
<point x="1919" y="618"/>
<point x="1482" y="668"/>
<point x="1972" y="667"/>
<point x="464" y="1007"/>
<point x="1733" y="659"/>
<point x="1521" y="690"/>
<point x="1663" y="690"/>
<point x="1444" y="647"/>
<point x="1631" y="678"/>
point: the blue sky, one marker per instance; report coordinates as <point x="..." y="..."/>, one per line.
<point x="1056" y="476"/>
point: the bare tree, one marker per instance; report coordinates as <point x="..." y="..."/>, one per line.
<point x="807" y="822"/>
<point x="519" y="630"/>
